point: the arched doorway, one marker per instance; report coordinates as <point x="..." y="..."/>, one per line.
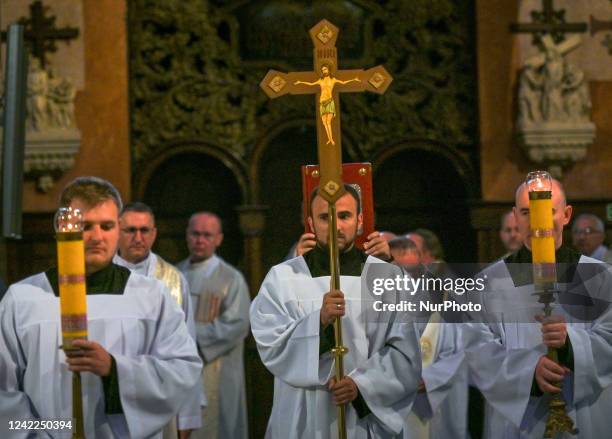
<point x="279" y="183"/>
<point x="188" y="182"/>
<point x="425" y="186"/>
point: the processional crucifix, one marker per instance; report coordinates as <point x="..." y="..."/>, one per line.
<point x="327" y="82"/>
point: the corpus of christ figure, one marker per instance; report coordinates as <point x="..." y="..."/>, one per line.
<point x="327" y="108"/>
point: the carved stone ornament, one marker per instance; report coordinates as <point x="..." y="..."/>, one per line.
<point x="49" y="154"/>
<point x="554" y="108"/>
<point x="52" y="139"/>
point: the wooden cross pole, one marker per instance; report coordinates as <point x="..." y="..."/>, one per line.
<point x="327" y="82"/>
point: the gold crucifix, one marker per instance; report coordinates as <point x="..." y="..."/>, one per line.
<point x="327" y="82"/>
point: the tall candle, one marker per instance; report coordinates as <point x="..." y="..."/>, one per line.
<point x="539" y="184"/>
<point x="71" y="274"/>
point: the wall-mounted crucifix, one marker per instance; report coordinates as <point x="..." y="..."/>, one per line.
<point x="41" y="34"/>
<point x="602" y="26"/>
<point x="548" y="21"/>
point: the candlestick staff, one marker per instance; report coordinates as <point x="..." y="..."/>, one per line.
<point x="539" y="184"/>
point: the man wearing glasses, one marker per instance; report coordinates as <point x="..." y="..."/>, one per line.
<point x="136" y="238"/>
<point x="588" y="236"/>
<point x="221" y="302"/>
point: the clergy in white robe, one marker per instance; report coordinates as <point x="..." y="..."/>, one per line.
<point x="139" y="362"/>
<point x="440" y="408"/>
<point x="189" y="417"/>
<point x="291" y="321"/>
<point x="136" y="239"/>
<point x="155" y="361"/>
<point x="221" y="304"/>
<point x="506" y="351"/>
<point x="221" y="342"/>
<point x="383" y="357"/>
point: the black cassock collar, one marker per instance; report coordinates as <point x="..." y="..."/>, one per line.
<point x="351" y="261"/>
<point x="112" y="279"/>
<point x="520" y="268"/>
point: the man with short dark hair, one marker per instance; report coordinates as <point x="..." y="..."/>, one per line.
<point x="221" y="306"/>
<point x="376" y="244"/>
<point x="432" y="253"/>
<point x="429" y="245"/>
<point x="136" y="238"/>
<point x="440" y="408"/>
<point x="138" y="363"/>
<point x="405" y="253"/>
<point x="291" y="320"/>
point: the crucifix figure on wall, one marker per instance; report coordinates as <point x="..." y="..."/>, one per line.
<point x="548" y="21"/>
<point x="326" y="81"/>
<point x="41" y="33"/>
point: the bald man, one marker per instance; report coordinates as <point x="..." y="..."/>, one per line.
<point x="221" y="302"/>
<point x="509" y="233"/>
<point x="507" y="358"/>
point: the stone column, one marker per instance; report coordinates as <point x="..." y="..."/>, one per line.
<point x="252" y="222"/>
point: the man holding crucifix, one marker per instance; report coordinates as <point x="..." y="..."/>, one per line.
<point x="291" y="320"/>
<point x="305" y="303"/>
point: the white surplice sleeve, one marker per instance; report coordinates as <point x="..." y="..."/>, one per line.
<point x="288" y="338"/>
<point x="154" y="386"/>
<point x="14" y="403"/>
<point x="592" y="345"/>
<point x="388" y="379"/>
<point x="503" y="376"/>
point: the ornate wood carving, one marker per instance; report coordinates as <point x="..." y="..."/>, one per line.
<point x="191" y="79"/>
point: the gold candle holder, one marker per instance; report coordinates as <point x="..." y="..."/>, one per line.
<point x="73" y="296"/>
<point x="539" y="184"/>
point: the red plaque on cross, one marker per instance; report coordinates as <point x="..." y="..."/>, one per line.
<point x="357" y="174"/>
